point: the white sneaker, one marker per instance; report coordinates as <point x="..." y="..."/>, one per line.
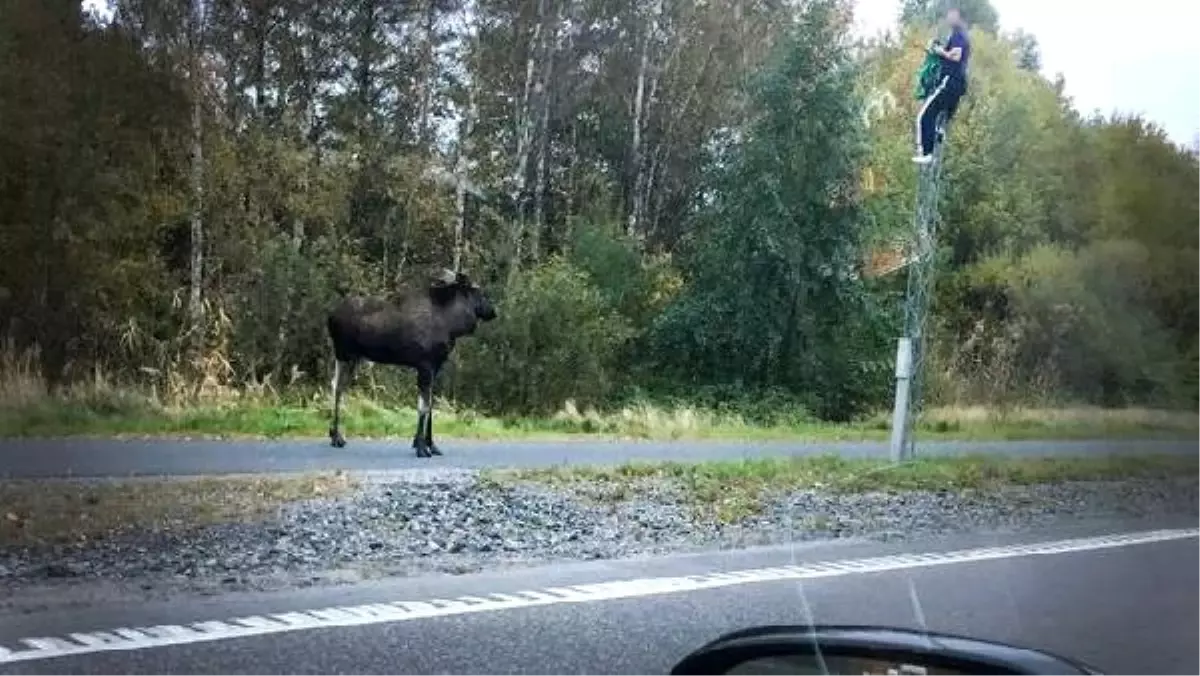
<point x="923" y="159"/>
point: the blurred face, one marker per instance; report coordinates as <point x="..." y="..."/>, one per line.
<point x="954" y="18"/>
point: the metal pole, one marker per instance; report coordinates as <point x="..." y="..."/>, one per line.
<point x="910" y="349"/>
<point x="900" y="447"/>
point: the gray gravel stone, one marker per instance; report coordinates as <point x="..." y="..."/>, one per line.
<point x="447" y="522"/>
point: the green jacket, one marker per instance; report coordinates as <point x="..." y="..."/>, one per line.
<point x="927" y="76"/>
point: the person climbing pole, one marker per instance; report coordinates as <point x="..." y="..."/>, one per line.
<point x="942" y="82"/>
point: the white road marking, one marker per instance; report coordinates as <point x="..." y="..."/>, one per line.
<point x="123" y="638"/>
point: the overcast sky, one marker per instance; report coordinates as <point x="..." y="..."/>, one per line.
<point x="1137" y="57"/>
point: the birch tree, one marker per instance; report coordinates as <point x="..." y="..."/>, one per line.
<point x="196" y="32"/>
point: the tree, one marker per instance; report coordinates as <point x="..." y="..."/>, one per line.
<point x="771" y="299"/>
<point x="1026" y="51"/>
<point x="322" y="146"/>
<point x="92" y="180"/>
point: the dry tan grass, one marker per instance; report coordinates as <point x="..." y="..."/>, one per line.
<point x="164" y="404"/>
<point x="23" y="385"/>
<point x="1077" y="415"/>
<point x="68" y="510"/>
<point x="646" y="420"/>
<point x="20" y="382"/>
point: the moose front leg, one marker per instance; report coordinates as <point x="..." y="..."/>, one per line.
<point x="423" y="439"/>
<point x="343" y="373"/>
<point x="429" y="445"/>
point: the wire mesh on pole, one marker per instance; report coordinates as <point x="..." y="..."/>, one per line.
<point x="911" y="348"/>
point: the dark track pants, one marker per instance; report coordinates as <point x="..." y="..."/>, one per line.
<point x="943" y="101"/>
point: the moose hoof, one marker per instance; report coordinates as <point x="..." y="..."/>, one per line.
<point x="336" y="439"/>
<point x="423" y="452"/>
<point x="433" y="450"/>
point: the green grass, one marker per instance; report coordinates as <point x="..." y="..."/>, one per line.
<point x="102" y="412"/>
<point x="731" y="490"/>
<point x="99" y="408"/>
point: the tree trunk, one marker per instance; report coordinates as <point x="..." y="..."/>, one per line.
<point x="289" y="293"/>
<point x="465" y="149"/>
<point x="428" y="71"/>
<point x="196" y="206"/>
<point x="635" y="146"/>
<point x="572" y="155"/>
<point x="572" y="180"/>
<point x="539" y="190"/>
<point x="363" y="73"/>
<point x="420" y="136"/>
<point x="639" y="109"/>
<point x="524" y="136"/>
<point x="260" y="29"/>
<point x="648" y="213"/>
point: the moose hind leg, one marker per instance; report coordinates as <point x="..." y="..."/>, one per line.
<point x="429" y="445"/>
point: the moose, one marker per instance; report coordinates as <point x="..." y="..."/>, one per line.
<point x="418" y="330"/>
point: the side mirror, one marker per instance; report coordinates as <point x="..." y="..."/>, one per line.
<point x="866" y="650"/>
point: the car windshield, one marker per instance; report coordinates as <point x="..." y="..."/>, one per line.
<point x="568" y="336"/>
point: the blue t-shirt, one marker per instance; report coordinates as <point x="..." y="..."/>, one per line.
<point x="957" y="70"/>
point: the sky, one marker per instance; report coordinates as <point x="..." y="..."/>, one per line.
<point x="1116" y="57"/>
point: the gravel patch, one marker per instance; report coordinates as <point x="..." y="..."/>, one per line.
<point x="453" y="522"/>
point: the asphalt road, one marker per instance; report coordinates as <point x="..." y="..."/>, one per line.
<point x="39" y="458"/>
<point x="1124" y="608"/>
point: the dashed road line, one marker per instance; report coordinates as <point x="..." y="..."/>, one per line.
<point x="140" y="638"/>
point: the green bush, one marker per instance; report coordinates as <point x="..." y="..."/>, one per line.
<point x="279" y="315"/>
<point x="1080" y="324"/>
<point x="556" y="338"/>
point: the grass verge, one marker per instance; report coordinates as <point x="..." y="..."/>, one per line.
<point x="730" y="490"/>
<point x="65" y="511"/>
<point x="121" y="413"/>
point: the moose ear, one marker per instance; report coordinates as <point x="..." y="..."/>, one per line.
<point x="462" y="279"/>
<point x="445" y="278"/>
